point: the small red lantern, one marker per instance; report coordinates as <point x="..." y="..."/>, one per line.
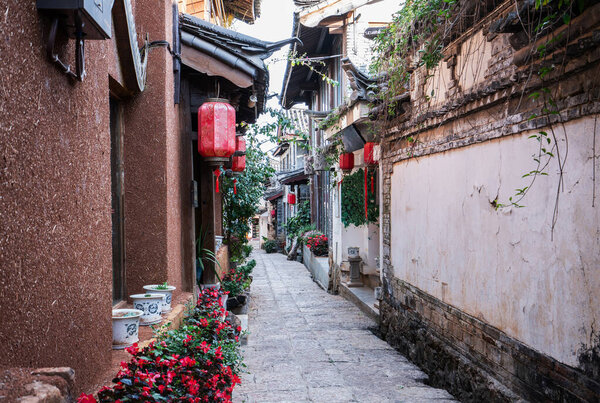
<point x="216" y="131"/>
<point x="238" y="161"/>
<point x="369" y="154"/>
<point x="347" y="161"/>
<point x="273" y="213"/>
<point x="291" y="198"/>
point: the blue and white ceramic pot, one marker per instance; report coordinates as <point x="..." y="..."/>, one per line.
<point x="167" y="292"/>
<point x="125" y="326"/>
<point x="151" y="305"/>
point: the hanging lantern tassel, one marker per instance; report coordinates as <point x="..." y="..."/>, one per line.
<point x="217" y="173"/>
<point x="234" y="187"/>
<point x="372" y="186"/>
<point x="366" y="212"/>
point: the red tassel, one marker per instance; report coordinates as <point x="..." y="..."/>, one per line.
<point x="234" y="188"/>
<point x="217" y="173"/>
<point x="366" y="211"/>
<point x="372" y="188"/>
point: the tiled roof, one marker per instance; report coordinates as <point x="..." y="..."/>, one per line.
<point x="299" y="119"/>
<point x="306" y="3"/>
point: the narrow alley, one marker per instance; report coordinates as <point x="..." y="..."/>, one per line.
<point x="308" y="345"/>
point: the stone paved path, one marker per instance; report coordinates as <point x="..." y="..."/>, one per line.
<point x="306" y="345"/>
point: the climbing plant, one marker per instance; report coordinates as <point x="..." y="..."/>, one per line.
<point x="418" y="36"/>
<point x="353" y="199"/>
<point x="241" y="205"/>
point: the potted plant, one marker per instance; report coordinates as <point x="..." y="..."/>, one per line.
<point x="151" y="305"/>
<point x="165" y="289"/>
<point x="125" y="326"/>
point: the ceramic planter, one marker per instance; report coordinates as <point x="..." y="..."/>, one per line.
<point x="151" y="305"/>
<point x="218" y="242"/>
<point x="353" y="252"/>
<point x="125" y="326"/>
<point x="168" y="293"/>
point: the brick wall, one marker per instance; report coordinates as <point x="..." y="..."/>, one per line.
<point x="475" y="361"/>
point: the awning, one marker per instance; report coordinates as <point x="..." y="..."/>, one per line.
<point x="312" y="16"/>
<point x="297" y="176"/>
<point x="281" y="148"/>
<point x="299" y="80"/>
<point x="217" y="51"/>
<point x="274" y="196"/>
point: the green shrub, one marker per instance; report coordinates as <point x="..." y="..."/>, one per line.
<point x="270" y="246"/>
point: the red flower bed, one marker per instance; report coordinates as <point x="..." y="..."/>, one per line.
<point x="318" y="244"/>
<point x="199" y="362"/>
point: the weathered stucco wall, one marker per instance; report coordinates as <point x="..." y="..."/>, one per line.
<point x="55" y="242"/>
<point x="493" y="298"/>
<point x="504" y="266"/>
<point x="152" y="161"/>
<point x="55" y="191"/>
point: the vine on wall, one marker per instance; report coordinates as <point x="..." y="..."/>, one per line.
<point x="353" y="199"/>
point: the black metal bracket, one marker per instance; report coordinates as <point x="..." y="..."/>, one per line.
<point x="79" y="72"/>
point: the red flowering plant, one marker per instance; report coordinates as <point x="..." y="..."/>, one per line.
<point x="318" y="244"/>
<point x="237" y="280"/>
<point x="199" y="362"/>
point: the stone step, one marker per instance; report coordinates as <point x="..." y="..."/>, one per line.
<point x="364" y="298"/>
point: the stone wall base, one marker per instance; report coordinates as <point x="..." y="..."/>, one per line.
<point x="473" y="360"/>
<point x="42" y="385"/>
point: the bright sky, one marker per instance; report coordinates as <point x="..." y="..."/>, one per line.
<point x="275" y="23"/>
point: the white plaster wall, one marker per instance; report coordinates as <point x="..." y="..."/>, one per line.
<point x="263" y="229"/>
<point x="505" y="267"/>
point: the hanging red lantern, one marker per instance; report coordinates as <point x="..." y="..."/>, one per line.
<point x="347" y="161"/>
<point x="291" y="198"/>
<point x="216" y="131"/>
<point x="369" y="153"/>
<point x="273" y="213"/>
<point x="238" y="161"/>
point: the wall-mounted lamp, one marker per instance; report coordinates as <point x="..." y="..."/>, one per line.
<point x="252" y="101"/>
<point x="82" y="19"/>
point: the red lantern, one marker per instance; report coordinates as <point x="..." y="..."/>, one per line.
<point x="347" y="161"/>
<point x="369" y="154"/>
<point x="216" y="131"/>
<point x="291" y="198"/>
<point x="238" y="162"/>
<point x="273" y="213"/>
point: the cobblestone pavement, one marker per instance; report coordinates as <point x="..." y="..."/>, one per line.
<point x="306" y="345"/>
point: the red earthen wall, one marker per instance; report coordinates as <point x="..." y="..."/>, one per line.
<point x="55" y="240"/>
<point x="55" y="191"/>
